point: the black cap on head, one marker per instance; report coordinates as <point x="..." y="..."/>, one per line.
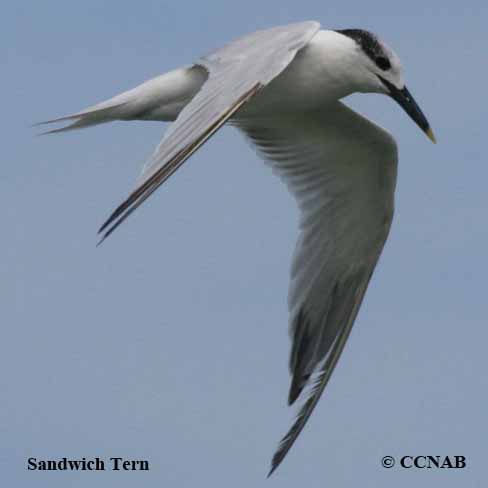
<point x="370" y="45"/>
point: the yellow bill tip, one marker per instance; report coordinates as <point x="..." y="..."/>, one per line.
<point x="431" y="135"/>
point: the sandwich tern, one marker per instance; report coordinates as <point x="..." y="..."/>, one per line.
<point x="281" y="87"/>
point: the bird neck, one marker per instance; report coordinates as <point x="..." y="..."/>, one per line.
<point x="336" y="64"/>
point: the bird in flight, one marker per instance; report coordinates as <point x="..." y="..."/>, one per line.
<point x="281" y="88"/>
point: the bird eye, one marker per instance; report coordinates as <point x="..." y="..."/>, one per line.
<point x="383" y="63"/>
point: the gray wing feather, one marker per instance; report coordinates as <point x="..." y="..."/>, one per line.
<point x="235" y="74"/>
<point x="341" y="168"/>
<point x="346" y="301"/>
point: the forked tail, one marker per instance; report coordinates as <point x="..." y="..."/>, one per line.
<point x="160" y="98"/>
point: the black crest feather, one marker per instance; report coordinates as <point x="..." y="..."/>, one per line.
<point x="370" y="45"/>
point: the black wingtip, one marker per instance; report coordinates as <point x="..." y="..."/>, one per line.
<point x="108" y="232"/>
<point x="115" y="219"/>
<point x="110" y="225"/>
<point x="99" y="243"/>
<point x="112" y="217"/>
<point x="296" y="388"/>
<point x="103" y="235"/>
<point x="47" y="132"/>
<point x="277" y="458"/>
<point x="298" y="383"/>
<point x="271" y="471"/>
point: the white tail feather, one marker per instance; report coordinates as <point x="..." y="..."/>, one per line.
<point x="86" y="118"/>
<point x="160" y="98"/>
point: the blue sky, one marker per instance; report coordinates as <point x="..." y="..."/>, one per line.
<point x="169" y="343"/>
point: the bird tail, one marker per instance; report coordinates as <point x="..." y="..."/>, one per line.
<point x="160" y="98"/>
<point x="98" y="114"/>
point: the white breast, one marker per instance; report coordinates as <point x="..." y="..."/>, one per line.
<point x="318" y="75"/>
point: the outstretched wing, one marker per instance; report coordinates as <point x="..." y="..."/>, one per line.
<point x="235" y="74"/>
<point x="341" y="168"/>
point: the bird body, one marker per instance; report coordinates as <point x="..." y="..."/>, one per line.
<point x="282" y="88"/>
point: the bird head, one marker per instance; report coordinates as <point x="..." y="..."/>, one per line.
<point x="381" y="72"/>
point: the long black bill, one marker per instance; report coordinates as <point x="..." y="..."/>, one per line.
<point x="405" y="99"/>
